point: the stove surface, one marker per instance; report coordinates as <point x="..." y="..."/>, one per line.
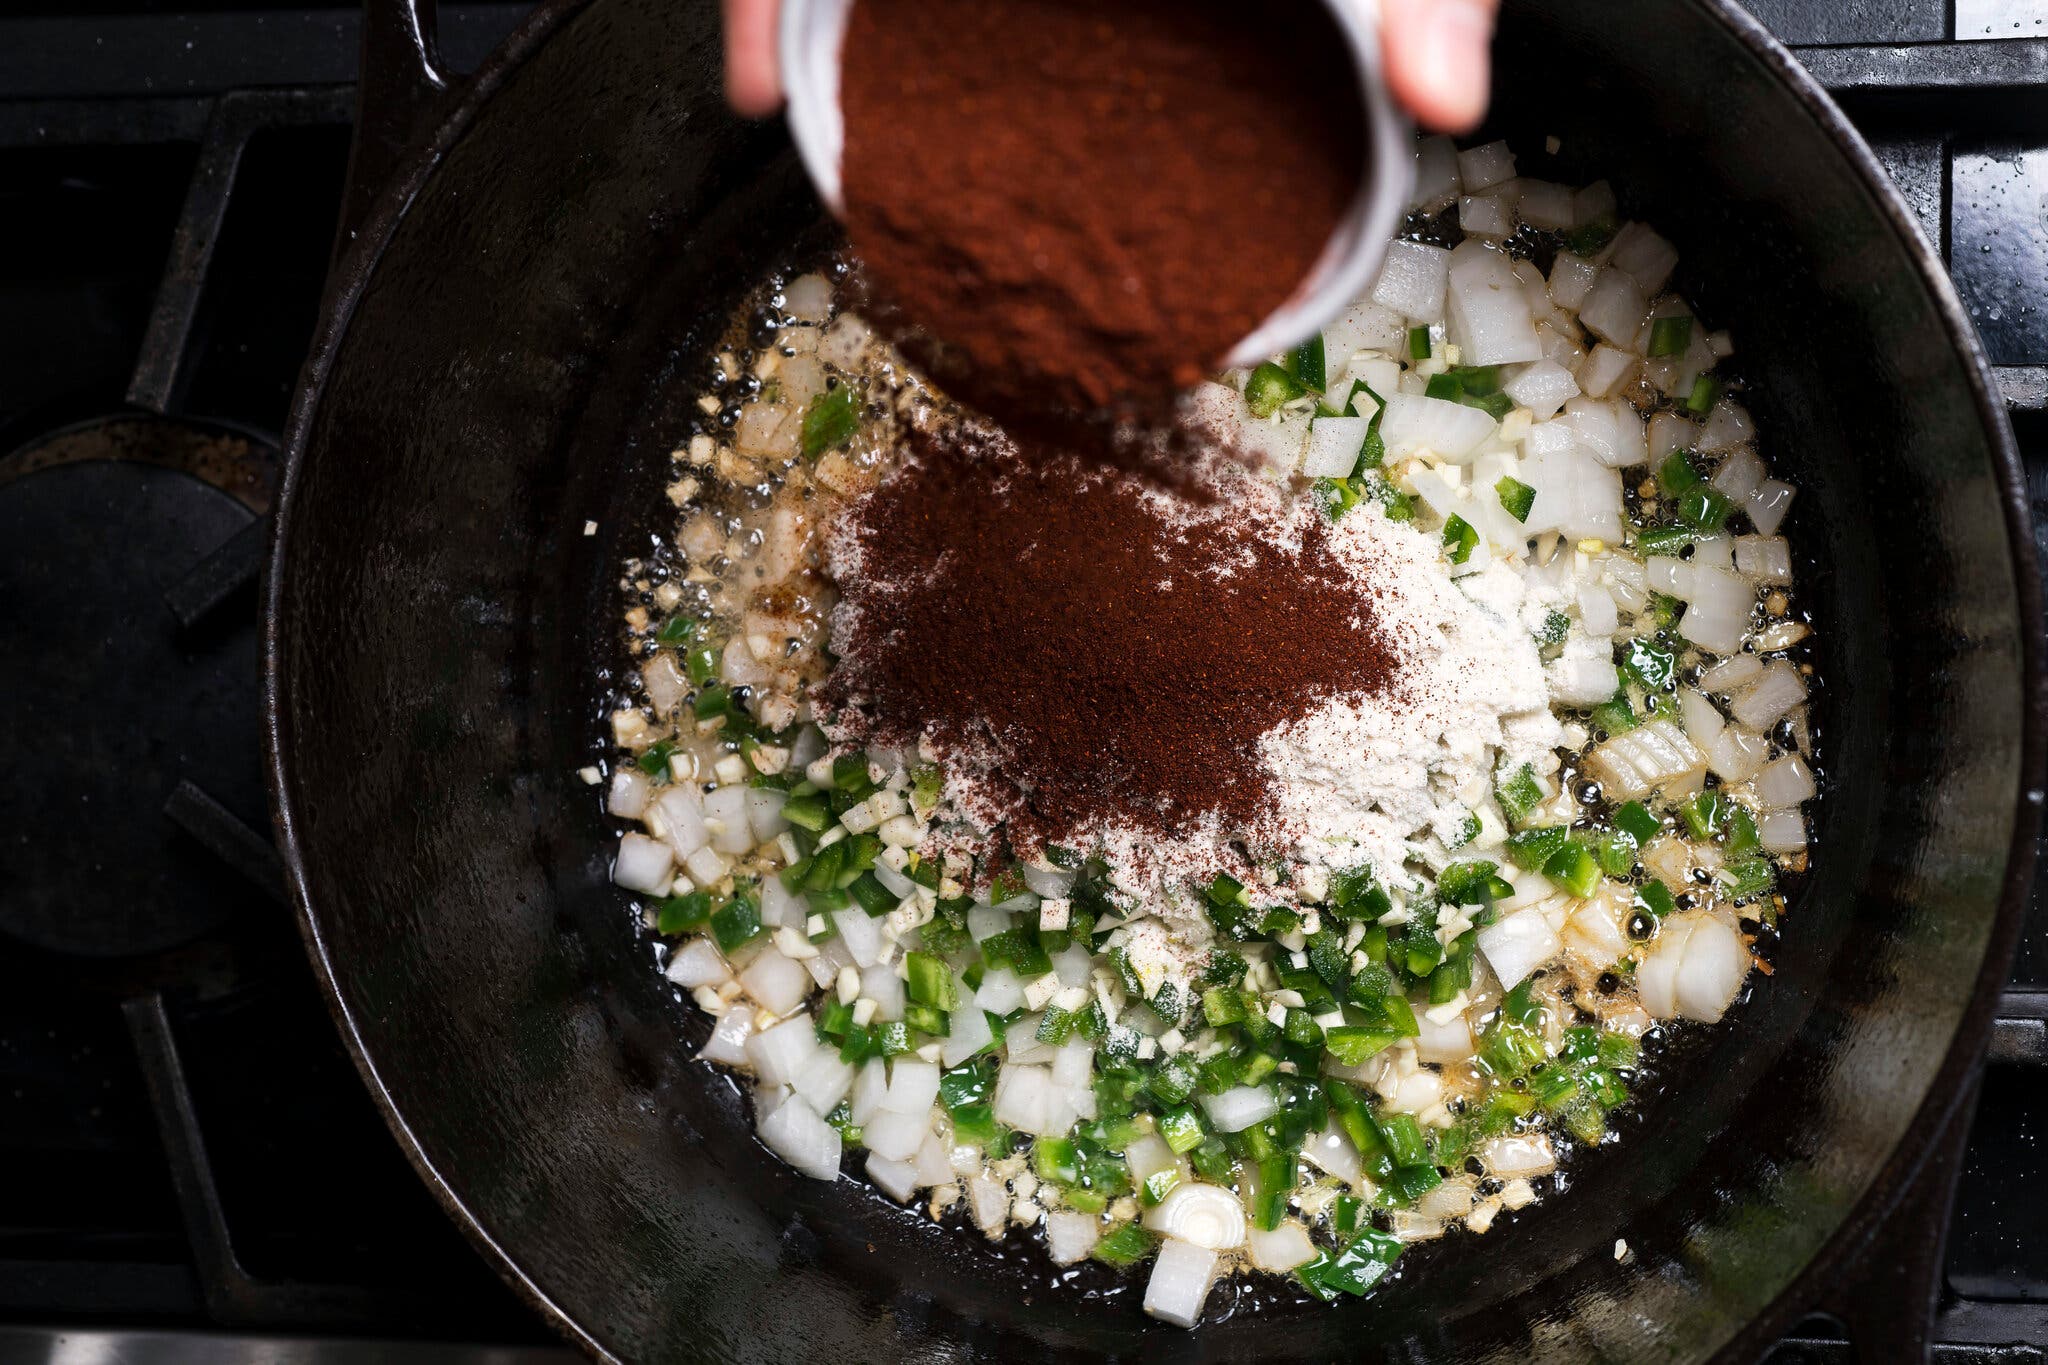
<point x="198" y="1171"/>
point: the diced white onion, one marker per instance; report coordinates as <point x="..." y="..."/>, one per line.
<point x="1777" y="690"/>
<point x="897" y="1179"/>
<point x="780" y="905"/>
<point x="779" y="1054"/>
<point x="728" y="1042"/>
<point x="1181" y="1275"/>
<point x="1695" y="967"/>
<point x="1737" y="754"/>
<point x="1740" y="473"/>
<point x="777" y="983"/>
<point x="1450" y="1041"/>
<point x="1571" y="279"/>
<point x="1782" y="831"/>
<point x="1275" y="445"/>
<point x="794" y="1132"/>
<point x="969" y="1033"/>
<point x="1240" y="1107"/>
<point x="825" y="1081"/>
<point x="1148" y="1156"/>
<point x="1416" y="423"/>
<point x="1518" y="1156"/>
<point x="1726" y="427"/>
<point x="1486" y="165"/>
<point x="764" y="813"/>
<point x="1070" y="1235"/>
<point x="683" y="819"/>
<point x="1282" y="1249"/>
<point x="1546" y="205"/>
<point x="1651" y="756"/>
<point x="1575" y="494"/>
<point x="1614" y="310"/>
<point x="1609" y="430"/>
<point x="1207" y="1215"/>
<point x="666" y="686"/>
<point x="1701" y="718"/>
<point x="1543" y="387"/>
<point x="1768" y="503"/>
<point x="1603" y="369"/>
<point x="698" y="963"/>
<point x="893" y="1135"/>
<point x="738" y="667"/>
<point x="1717" y="610"/>
<point x="1517" y="944"/>
<point x="1486" y="310"/>
<point x="628" y="797"/>
<point x="1784" y="783"/>
<point x="1333" y="1152"/>
<point x="862" y="934"/>
<point x="1364" y="326"/>
<point x="913" y="1086"/>
<point x="1334" y="444"/>
<point x="1436" y="174"/>
<point x="1768" y="559"/>
<point x="1733" y="672"/>
<point x="1000" y="991"/>
<point x="1597" y="611"/>
<point x="1485" y="215"/>
<point x="1644" y="255"/>
<point x="725" y="815"/>
<point x="1412" y="281"/>
<point x="1582" y="682"/>
<point x="1023" y="1095"/>
<point x="1449" y="1201"/>
<point x="880" y="984"/>
<point x="1052" y="881"/>
<point x="869" y="1090"/>
<point x="643" y="864"/>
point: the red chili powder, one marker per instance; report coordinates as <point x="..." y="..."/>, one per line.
<point x="1089" y="205"/>
<point x="1092" y="658"/>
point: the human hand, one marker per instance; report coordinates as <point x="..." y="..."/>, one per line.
<point x="1438" y="63"/>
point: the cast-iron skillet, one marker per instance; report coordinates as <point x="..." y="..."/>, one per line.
<point x="513" y="337"/>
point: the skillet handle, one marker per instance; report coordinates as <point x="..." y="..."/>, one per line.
<point x="401" y="81"/>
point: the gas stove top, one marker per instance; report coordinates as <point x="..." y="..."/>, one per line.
<point x="194" y="1168"/>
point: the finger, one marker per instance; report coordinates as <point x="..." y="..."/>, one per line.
<point x="1439" y="62"/>
<point x="752" y="81"/>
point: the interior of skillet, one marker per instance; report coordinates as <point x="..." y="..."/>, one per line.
<point x="519" y="363"/>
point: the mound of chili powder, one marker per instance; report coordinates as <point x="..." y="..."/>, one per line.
<point x="1091" y="652"/>
<point x="1089" y="205"/>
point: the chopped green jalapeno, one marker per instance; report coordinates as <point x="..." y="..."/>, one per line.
<point x="1460" y="540"/>
<point x="1309" y="363"/>
<point x="1271" y="388"/>
<point x="830" y="421"/>
<point x="1516" y="497"/>
<point x="1670" y="336"/>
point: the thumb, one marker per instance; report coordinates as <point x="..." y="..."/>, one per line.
<point x="1438" y="63"/>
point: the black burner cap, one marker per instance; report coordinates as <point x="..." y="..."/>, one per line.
<point x="110" y="699"/>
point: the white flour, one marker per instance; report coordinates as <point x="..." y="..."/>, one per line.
<point x="1359" y="778"/>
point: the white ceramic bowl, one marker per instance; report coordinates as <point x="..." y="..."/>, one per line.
<point x="813" y="30"/>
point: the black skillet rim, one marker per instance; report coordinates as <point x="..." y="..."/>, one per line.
<point x="458" y="109"/>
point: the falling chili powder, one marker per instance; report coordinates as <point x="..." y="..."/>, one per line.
<point x="1090" y="205"/>
<point x="1095" y="652"/>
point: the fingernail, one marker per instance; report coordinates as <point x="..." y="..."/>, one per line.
<point x="1453" y="44"/>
